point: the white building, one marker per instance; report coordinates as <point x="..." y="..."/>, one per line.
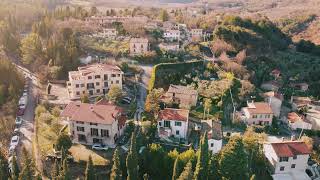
<point x="275" y="101"/>
<point x="172" y="35"/>
<point x="173" y="122"/>
<point x="196" y="34"/>
<point x="298" y="122"/>
<point x="214" y="130"/>
<point x="257" y="113"/>
<point x="110" y="33"/>
<point x="169" y="46"/>
<point x="313" y="116"/>
<point x="93" y="80"/>
<point x="139" y="46"/>
<point x="100" y="123"/>
<point x="287" y="159"/>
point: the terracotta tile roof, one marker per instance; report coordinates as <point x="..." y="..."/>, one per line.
<point x="213" y="127"/>
<point x="174" y="114"/>
<point x="93" y="68"/>
<point x="92" y="113"/>
<point x="139" y="40"/>
<point x="273" y="94"/>
<point x="290" y="148"/>
<point x="259" y="108"/>
<point x="181" y="90"/>
<point x="293" y="117"/>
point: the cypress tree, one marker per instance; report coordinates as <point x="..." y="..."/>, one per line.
<point x="90" y="174"/>
<point x="177" y="169"/>
<point x="3" y="170"/>
<point x="201" y="172"/>
<point x="15" y="169"/>
<point x="65" y="173"/>
<point x="187" y="173"/>
<point x="116" y="173"/>
<point x="132" y="160"/>
<point x="56" y="170"/>
<point x="213" y="171"/>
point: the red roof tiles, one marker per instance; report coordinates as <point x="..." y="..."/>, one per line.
<point x="92" y="113"/>
<point x="290" y="148"/>
<point x="174" y="114"/>
<point x="259" y="108"/>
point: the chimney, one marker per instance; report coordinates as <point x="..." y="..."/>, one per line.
<point x="282" y="139"/>
<point x="292" y="138"/>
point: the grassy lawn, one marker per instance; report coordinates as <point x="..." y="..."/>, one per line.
<point x="81" y="153"/>
<point x="198" y="112"/>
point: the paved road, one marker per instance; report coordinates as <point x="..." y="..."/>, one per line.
<point x="27" y="128"/>
<point x="142" y="90"/>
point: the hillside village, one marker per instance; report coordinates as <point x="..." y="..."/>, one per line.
<point x="155" y="93"/>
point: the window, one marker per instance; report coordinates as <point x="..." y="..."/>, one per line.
<point x="113" y="75"/>
<point x="119" y="75"/>
<point x="78" y="93"/>
<point x="93" y="124"/>
<point x="282" y="168"/>
<point x="82" y="85"/>
<point x="105" y="77"/>
<point x="77" y="85"/>
<point x="105" y="84"/>
<point x="254" y="116"/>
<point x="79" y="122"/>
<point x="177" y="132"/>
<point x="211" y="145"/>
<point x="177" y="123"/>
<point x="104" y="133"/>
<point x="294" y="157"/>
<point x="83" y="92"/>
<point x="117" y="81"/>
<point x="89" y="77"/>
<point x="98" y="90"/>
<point x="94" y="132"/>
<point x="160" y="124"/>
<point x="284" y="159"/>
<point x="293" y="166"/>
<point x="97" y="83"/>
<point x="97" y="76"/>
<point x="111" y="82"/>
<point x="166" y="123"/>
<point x="80" y="129"/>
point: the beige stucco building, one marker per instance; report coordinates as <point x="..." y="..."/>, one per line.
<point x="258" y="113"/>
<point x="93" y="80"/>
<point x="139" y="46"/>
<point x="100" y="123"/>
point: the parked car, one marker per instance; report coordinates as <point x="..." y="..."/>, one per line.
<point x="18" y="120"/>
<point x="20" y="112"/>
<point x="16" y="132"/>
<point x="12" y="149"/>
<point x="53" y="157"/>
<point x="14" y="141"/>
<point x="100" y="147"/>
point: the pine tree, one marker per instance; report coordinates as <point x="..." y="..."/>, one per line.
<point x="201" y="172"/>
<point x="116" y="173"/>
<point x="187" y="173"/>
<point x="15" y="169"/>
<point x="90" y="174"/>
<point x="233" y="161"/>
<point x="177" y="169"/>
<point x="65" y="173"/>
<point x="132" y="160"/>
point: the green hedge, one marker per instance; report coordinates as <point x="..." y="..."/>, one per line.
<point x="165" y="74"/>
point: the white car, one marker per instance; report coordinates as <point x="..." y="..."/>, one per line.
<point x="14" y="141"/>
<point x="18" y="120"/>
<point x="12" y="149"/>
<point x="100" y="147"/>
